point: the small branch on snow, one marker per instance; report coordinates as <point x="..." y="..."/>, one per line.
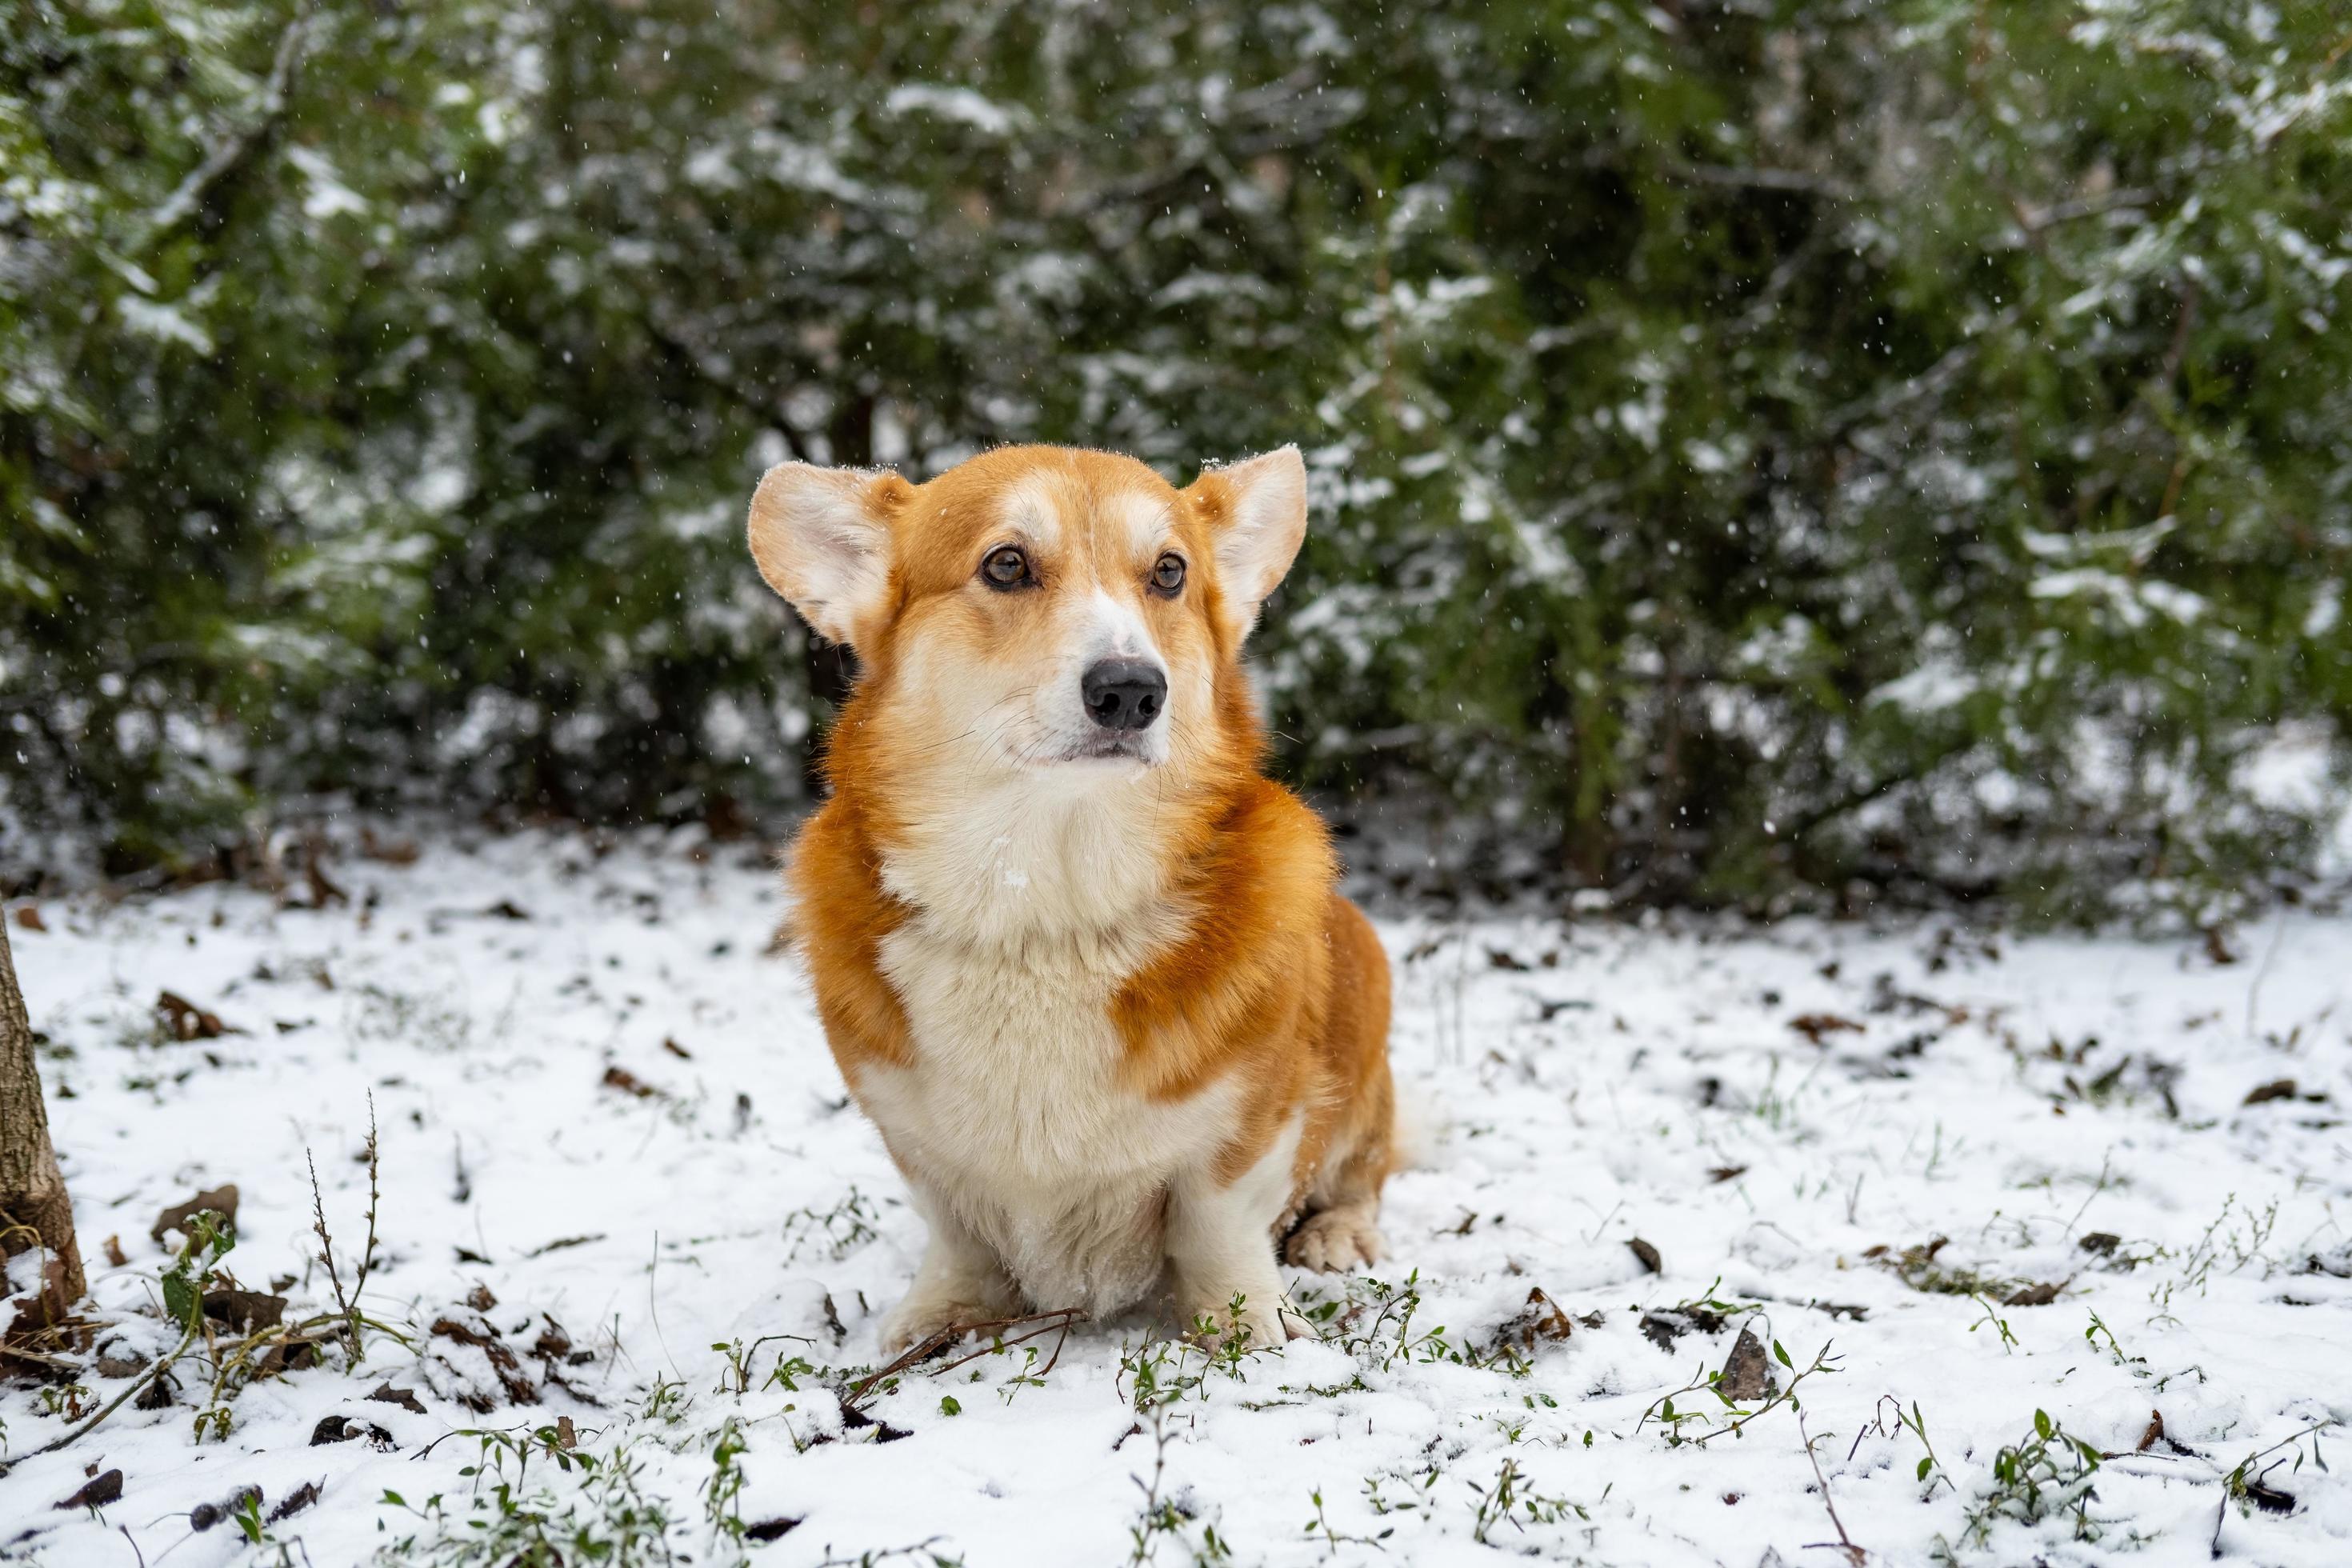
<point x="1844" y="1542"/>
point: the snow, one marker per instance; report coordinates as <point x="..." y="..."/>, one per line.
<point x="1592" y="1084"/>
<point x="957" y="103"/>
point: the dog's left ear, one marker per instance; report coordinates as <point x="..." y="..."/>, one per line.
<point x="1258" y="510"/>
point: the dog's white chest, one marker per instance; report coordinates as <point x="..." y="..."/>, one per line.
<point x="1015" y="1116"/>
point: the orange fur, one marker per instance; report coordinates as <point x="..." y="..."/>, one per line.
<point x="1238" y="984"/>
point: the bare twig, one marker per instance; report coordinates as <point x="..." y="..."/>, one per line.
<point x="1844" y="1542"/>
<point x="367" y="1254"/>
<point x="347" y="1303"/>
<point x="1060" y="1318"/>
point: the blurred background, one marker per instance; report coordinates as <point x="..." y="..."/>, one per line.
<point x="1770" y="455"/>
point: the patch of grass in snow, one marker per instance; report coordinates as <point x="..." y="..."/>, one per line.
<point x="2229" y="1244"/>
<point x="375" y="1013"/>
<point x="1510" y="1500"/>
<point x="2248" y="1484"/>
<point x="849" y="1223"/>
<point x="1920" y="1268"/>
<point x="1377" y="1323"/>
<point x="786" y="1371"/>
<point x="2047" y="1474"/>
<point x="593" y="1509"/>
<point x="1161" y="1372"/>
<point x="723" y="1494"/>
<point x="1702" y="1423"/>
<point x="1914" y="1421"/>
<point x="1165" y="1519"/>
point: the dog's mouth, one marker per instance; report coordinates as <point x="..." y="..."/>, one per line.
<point x="1106" y="746"/>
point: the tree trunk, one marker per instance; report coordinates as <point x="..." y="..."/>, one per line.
<point x="34" y="1209"/>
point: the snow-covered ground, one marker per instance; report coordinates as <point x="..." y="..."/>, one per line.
<point x="612" y="1140"/>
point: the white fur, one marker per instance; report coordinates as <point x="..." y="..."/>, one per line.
<point x="1218" y="1240"/>
<point x="1008" y="863"/>
<point x="1150" y="525"/>
<point x="1031" y="510"/>
<point x="1014" y="1122"/>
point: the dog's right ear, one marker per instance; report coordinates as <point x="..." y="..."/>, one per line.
<point x="822" y="539"/>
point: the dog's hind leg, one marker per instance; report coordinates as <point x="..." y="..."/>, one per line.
<point x="1341" y="1229"/>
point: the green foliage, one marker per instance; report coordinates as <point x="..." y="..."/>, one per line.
<point x="2046" y="1475"/>
<point x="595" y="1512"/>
<point x="209" y="1239"/>
<point x="1760" y="449"/>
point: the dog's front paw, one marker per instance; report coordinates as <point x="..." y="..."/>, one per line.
<point x="1335" y="1241"/>
<point x="1259" y="1325"/>
<point x="919" y="1317"/>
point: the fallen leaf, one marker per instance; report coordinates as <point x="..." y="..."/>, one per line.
<point x="48" y="1307"/>
<point x="1540" y="1319"/>
<point x="2269" y="1499"/>
<point x="290" y="1355"/>
<point x="28" y="916"/>
<point x="204" y="1515"/>
<point x="1647" y="1254"/>
<point x="1746" y="1373"/>
<point x="2153" y="1436"/>
<point x="114" y="1254"/>
<point x="1662" y="1328"/>
<point x="506" y="909"/>
<point x="627" y="1082"/>
<point x="186" y="1021"/>
<point x="1813" y="1025"/>
<point x="2217" y="946"/>
<point x="2034" y="1295"/>
<point x="406" y="1398"/>
<point x="391" y="851"/>
<point x="297" y="1499"/>
<point x="245" y="1311"/>
<point x="343" y="1428"/>
<point x="105" y="1489"/>
<point x="2280" y="1089"/>
<point x="673" y="1048"/>
<point x="1725" y="1172"/>
<point x="480" y="1298"/>
<point x="770" y="1529"/>
<point x="554" y="1342"/>
<point x="221" y="1200"/>
<point x="854" y="1419"/>
<point x="519" y="1389"/>
<point x="2101" y="1242"/>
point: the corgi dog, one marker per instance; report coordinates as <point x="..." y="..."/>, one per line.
<point x="1083" y="964"/>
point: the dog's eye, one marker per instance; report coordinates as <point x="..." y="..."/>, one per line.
<point x="1005" y="567"/>
<point x="1168" y="576"/>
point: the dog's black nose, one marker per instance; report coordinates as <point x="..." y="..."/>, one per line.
<point x="1124" y="693"/>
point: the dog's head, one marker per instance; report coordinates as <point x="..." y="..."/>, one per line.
<point x="1056" y="614"/>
